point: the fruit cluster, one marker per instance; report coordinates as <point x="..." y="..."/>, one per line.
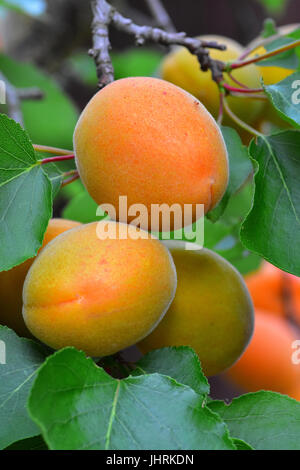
<point x="154" y="141"/>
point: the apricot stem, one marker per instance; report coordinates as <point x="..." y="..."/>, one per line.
<point x="57" y="159"/>
<point x="260" y="43"/>
<point x="74" y="177"/>
<point x="242" y="90"/>
<point x="251" y="96"/>
<point x="241" y="123"/>
<point x="237" y="81"/>
<point x="55" y="150"/>
<point x="255" y="59"/>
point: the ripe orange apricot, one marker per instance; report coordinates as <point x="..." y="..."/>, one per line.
<point x="147" y="139"/>
<point x="11" y="282"/>
<point x="212" y="310"/>
<point x="274" y="291"/>
<point x="267" y="362"/>
<point x="182" y="68"/>
<point x="99" y="295"/>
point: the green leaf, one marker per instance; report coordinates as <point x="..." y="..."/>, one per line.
<point x="242" y="445"/>
<point x="78" y="406"/>
<point x="25" y="210"/>
<point x="240" y="167"/>
<point x="223" y="236"/>
<point x="55" y="176"/>
<point x="243" y="260"/>
<point x="266" y="420"/>
<point x="23" y="358"/>
<point x="32" y="443"/>
<point x="272" y="228"/>
<point x="269" y="26"/>
<point x="285" y="97"/>
<point x="180" y="363"/>
<point x="51" y="120"/>
<point x="16" y="152"/>
<point x="215" y="233"/>
<point x="25" y="197"/>
<point x="287" y="60"/>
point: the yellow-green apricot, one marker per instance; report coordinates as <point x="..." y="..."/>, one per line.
<point x="212" y="311"/>
<point x="182" y="68"/>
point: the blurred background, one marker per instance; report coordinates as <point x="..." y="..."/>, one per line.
<point x="44" y="44"/>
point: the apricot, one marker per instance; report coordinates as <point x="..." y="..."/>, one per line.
<point x="11" y="282"/>
<point x="275" y="291"/>
<point x="182" y="68"/>
<point x="273" y="74"/>
<point x="99" y="295"/>
<point x="212" y="310"/>
<point x="267" y="362"/>
<point x="147" y="139"/>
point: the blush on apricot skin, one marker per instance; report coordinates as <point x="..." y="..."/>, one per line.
<point x="11" y="282"/>
<point x="97" y="295"/>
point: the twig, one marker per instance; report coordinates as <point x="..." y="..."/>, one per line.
<point x="70" y="173"/>
<point x="13" y="101"/>
<point x="242" y="90"/>
<point x="161" y="15"/>
<point x="71" y="179"/>
<point x="137" y="15"/>
<point x="105" y="15"/>
<point x="54" y="150"/>
<point x="260" y="42"/>
<point x="251" y="96"/>
<point x="102" y="13"/>
<point x="255" y="59"/>
<point x="60" y="158"/>
<point x="14" y="97"/>
<point x="30" y="94"/>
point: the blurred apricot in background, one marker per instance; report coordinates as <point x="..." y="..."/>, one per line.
<point x="267" y="363"/>
<point x="275" y="291"/>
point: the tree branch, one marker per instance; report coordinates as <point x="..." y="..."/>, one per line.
<point x="106" y="15"/>
<point x="13" y="101"/>
<point x="102" y="12"/>
<point x="30" y="93"/>
<point x="161" y="15"/>
<point x="14" y="97"/>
